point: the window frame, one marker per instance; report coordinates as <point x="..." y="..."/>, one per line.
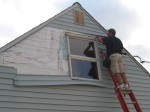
<point x="83" y="58"/>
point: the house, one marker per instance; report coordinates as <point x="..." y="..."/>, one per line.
<point x="48" y="69"/>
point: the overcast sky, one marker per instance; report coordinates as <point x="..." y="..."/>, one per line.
<point x="130" y="18"/>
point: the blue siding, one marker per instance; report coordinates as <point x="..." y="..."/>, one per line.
<point x="53" y="98"/>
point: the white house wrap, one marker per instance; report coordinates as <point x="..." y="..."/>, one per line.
<point x="40" y="53"/>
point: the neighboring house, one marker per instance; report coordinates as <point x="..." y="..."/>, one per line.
<point x="48" y="69"/>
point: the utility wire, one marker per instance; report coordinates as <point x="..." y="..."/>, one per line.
<point x="141" y="60"/>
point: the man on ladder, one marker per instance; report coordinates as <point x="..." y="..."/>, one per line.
<point x="114" y="48"/>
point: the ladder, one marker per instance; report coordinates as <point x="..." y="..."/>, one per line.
<point x="122" y="93"/>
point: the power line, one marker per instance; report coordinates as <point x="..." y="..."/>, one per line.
<point x="141" y="60"/>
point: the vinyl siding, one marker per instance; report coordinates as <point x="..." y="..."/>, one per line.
<point x="53" y="98"/>
<point x="74" y="98"/>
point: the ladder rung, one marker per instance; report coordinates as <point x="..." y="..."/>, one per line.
<point x="131" y="102"/>
<point x="126" y="92"/>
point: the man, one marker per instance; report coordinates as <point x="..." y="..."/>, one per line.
<point x="114" y="48"/>
<point x="91" y="53"/>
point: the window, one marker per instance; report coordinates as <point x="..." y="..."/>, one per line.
<point x="79" y="17"/>
<point x="83" y="59"/>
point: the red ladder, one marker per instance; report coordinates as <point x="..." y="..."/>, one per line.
<point x="120" y="93"/>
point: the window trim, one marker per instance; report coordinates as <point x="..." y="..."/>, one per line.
<point x="71" y="56"/>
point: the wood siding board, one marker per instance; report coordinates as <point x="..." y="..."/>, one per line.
<point x="75" y="30"/>
<point x="30" y="47"/>
<point x="59" y="107"/>
<point x="140" y="77"/>
<point x="48" y="89"/>
<point x="69" y="17"/>
<point x="142" y="81"/>
<point x="32" y="110"/>
<point x="133" y="68"/>
<point x="142" y="85"/>
<point x="61" y="87"/>
<point x="128" y="59"/>
<point x="41" y="77"/>
<point x="130" y="71"/>
<point x="35" y="43"/>
<point x="74" y="27"/>
<point x="6" y="75"/>
<point x="128" y="63"/>
<point x="58" y="102"/>
<point x="130" y="75"/>
<point x="141" y="89"/>
<point x="44" y="83"/>
<point x="71" y="22"/>
<point x="7" y="69"/>
<point x="131" y="78"/>
<point x="55" y="91"/>
<point x="55" y="98"/>
<point x="77" y="26"/>
<point x="137" y="82"/>
<point x="127" y="67"/>
<point x="6" y="81"/>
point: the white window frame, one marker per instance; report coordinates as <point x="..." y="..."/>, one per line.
<point x="71" y="56"/>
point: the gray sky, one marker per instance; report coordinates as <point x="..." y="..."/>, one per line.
<point x="130" y="18"/>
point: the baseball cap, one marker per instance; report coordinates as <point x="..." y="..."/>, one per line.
<point x="113" y="31"/>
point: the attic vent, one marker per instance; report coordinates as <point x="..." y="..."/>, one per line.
<point x="79" y="17"/>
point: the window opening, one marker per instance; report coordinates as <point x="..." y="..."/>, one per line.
<point x="83" y="59"/>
